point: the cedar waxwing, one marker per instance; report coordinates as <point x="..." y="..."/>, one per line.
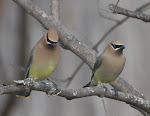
<point x="109" y="64"/>
<point x="44" y="57"/>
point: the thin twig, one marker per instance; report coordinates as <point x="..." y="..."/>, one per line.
<point x="116" y="5"/>
<point x="70" y="79"/>
<point x="74" y="74"/>
<point x="103" y="16"/>
<point x="140" y="9"/>
<point x="129" y="13"/>
<point x="54" y="8"/>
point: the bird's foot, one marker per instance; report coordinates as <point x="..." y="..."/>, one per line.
<point x="102" y="85"/>
<point x="48" y="80"/>
<point x="116" y="92"/>
<point x="54" y="91"/>
<point x="105" y="88"/>
<point x="114" y="89"/>
<point x="27" y="81"/>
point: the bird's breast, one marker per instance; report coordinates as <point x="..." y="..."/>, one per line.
<point x="110" y="69"/>
<point x="45" y="61"/>
<point x="113" y="65"/>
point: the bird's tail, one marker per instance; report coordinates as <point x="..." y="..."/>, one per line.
<point x="22" y="96"/>
<point x="91" y="83"/>
<point x="87" y="85"/>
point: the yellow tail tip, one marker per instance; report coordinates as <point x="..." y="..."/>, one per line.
<point x="26" y="97"/>
<point x="22" y="96"/>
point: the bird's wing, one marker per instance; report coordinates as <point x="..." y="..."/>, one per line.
<point x="29" y="62"/>
<point x="97" y="65"/>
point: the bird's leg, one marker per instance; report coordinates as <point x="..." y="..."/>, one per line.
<point x="115" y="90"/>
<point x="51" y="82"/>
<point x="48" y="80"/>
<point x="101" y="84"/>
<point x="53" y="92"/>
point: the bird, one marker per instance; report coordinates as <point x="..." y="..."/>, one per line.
<point x="44" y="58"/>
<point x="108" y="65"/>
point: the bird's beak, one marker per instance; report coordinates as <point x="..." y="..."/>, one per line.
<point x="54" y="45"/>
<point x="123" y="47"/>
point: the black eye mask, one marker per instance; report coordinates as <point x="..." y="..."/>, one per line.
<point x="117" y="46"/>
<point x="50" y="42"/>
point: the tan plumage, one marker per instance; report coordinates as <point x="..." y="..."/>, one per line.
<point x="109" y="64"/>
<point x="52" y="35"/>
<point x="44" y="57"/>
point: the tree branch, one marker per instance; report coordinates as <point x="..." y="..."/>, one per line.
<point x="67" y="39"/>
<point x="102" y="15"/>
<point x="141" y="9"/>
<point x="69" y="94"/>
<point x="54" y="8"/>
<point x="123" y="11"/>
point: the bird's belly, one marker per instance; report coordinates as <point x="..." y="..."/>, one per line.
<point x="105" y="77"/>
<point x="41" y="72"/>
<point x="109" y="71"/>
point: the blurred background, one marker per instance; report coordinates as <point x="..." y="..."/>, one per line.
<point x="90" y="20"/>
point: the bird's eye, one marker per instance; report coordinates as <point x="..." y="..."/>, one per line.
<point x="118" y="46"/>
